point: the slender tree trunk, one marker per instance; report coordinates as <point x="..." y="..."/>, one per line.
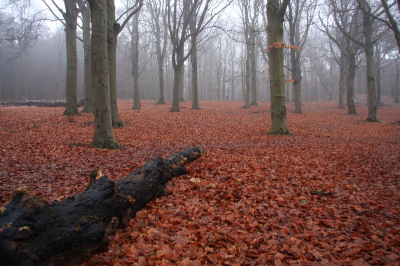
<point x="70" y="16"/>
<point x="88" y="82"/>
<point x="247" y="78"/>
<point x="112" y="37"/>
<point x="397" y="85"/>
<point x="103" y="129"/>
<point x="275" y="14"/>
<point x="175" y="89"/>
<point x="182" y="84"/>
<point x="232" y="79"/>
<point x="195" y="83"/>
<point x="160" y="61"/>
<point x="295" y="60"/>
<point x="369" y="56"/>
<point x="350" y="84"/>
<point x="135" y="62"/>
<point x="253" y="68"/>
<point x="342" y="79"/>
<point x="377" y="65"/>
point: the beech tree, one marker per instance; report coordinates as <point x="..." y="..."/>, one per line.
<point x="298" y="33"/>
<point x="135" y="61"/>
<point x="349" y="51"/>
<point x="368" y="46"/>
<point x="113" y="29"/>
<point x="275" y="17"/>
<point x="103" y="129"/>
<point x="179" y="16"/>
<point x="88" y="96"/>
<point x="159" y="28"/>
<point x="391" y="22"/>
<point x="70" y="23"/>
<point x="249" y="13"/>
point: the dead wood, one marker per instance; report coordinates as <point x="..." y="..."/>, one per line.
<point x="34" y="232"/>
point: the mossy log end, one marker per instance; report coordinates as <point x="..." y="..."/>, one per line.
<point x="34" y="232"/>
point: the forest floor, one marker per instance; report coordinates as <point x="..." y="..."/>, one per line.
<point x="330" y="194"/>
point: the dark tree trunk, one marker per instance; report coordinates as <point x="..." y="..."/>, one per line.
<point x="34" y="232"/>
<point x="88" y="81"/>
<point x="350" y="84"/>
<point x="39" y="103"/>
<point x="70" y="17"/>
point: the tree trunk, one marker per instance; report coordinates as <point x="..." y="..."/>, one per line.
<point x="232" y="79"/>
<point x="342" y="80"/>
<point x="88" y="82"/>
<point x="103" y="130"/>
<point x="247" y="78"/>
<point x="350" y="84"/>
<point x="34" y="232"/>
<point x="377" y="65"/>
<point x="112" y="38"/>
<point x="70" y="17"/>
<point x="275" y="14"/>
<point x="160" y="61"/>
<point x="295" y="59"/>
<point x="253" y="68"/>
<point x="178" y="65"/>
<point x="397" y="85"/>
<point x="135" y="62"/>
<point x="195" y="83"/>
<point x="369" y="56"/>
<point x="182" y="84"/>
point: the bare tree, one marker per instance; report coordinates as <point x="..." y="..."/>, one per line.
<point x="87" y="79"/>
<point x="298" y="33"/>
<point x="159" y="28"/>
<point x="249" y="14"/>
<point x="21" y="28"/>
<point x="70" y="16"/>
<point x="392" y="23"/>
<point x="113" y="29"/>
<point x="103" y="129"/>
<point x="368" y="46"/>
<point x="135" y="61"/>
<point x="349" y="51"/>
<point x="179" y="16"/>
<point x="275" y="15"/>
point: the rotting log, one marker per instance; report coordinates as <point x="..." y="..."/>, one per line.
<point x="34" y="232"/>
<point x="37" y="103"/>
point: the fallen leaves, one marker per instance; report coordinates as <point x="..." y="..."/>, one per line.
<point x="328" y="195"/>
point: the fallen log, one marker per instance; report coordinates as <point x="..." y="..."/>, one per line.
<point x="38" y="103"/>
<point x="34" y="232"/>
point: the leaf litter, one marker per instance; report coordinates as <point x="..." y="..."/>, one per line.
<point x="327" y="195"/>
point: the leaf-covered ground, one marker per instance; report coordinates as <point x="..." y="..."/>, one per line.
<point x="328" y="195"/>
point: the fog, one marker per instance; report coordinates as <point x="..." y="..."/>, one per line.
<point x="35" y="68"/>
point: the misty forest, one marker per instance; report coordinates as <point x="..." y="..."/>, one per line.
<point x="199" y="132"/>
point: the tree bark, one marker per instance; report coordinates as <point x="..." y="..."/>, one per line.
<point x="156" y="11"/>
<point x="103" y="130"/>
<point x="195" y="75"/>
<point x="135" y="62"/>
<point x="397" y="86"/>
<point x="253" y="67"/>
<point x="350" y="84"/>
<point x="377" y="66"/>
<point x="247" y="79"/>
<point x="34" y="232"/>
<point x="113" y="29"/>
<point x="175" y="89"/>
<point x="88" y="82"/>
<point x="275" y="14"/>
<point x="369" y="56"/>
<point x="70" y="17"/>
